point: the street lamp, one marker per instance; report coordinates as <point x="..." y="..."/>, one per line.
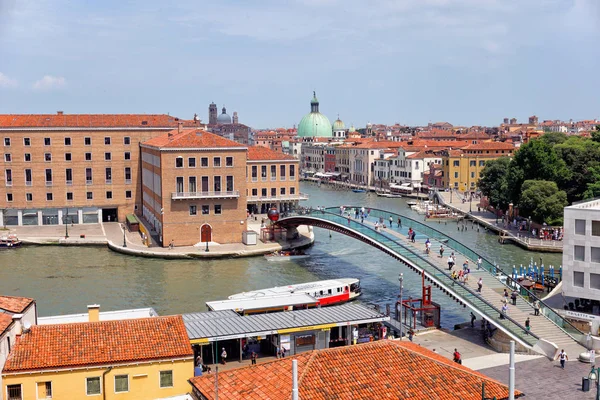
<point x="401" y="279"/>
<point x="66" y="222"/>
<point x="124" y="241"/>
<point x="594" y="376"/>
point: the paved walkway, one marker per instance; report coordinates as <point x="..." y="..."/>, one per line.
<point x="492" y="289"/>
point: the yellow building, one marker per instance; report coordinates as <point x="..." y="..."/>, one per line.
<point x="461" y="168"/>
<point x="145" y="358"/>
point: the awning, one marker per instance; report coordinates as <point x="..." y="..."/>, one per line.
<point x="335" y="173"/>
<point x="320" y="175"/>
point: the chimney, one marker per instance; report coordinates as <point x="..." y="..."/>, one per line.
<point x="94" y="312"/>
<point x="59" y="113"/>
<point x="179" y="127"/>
<point x="17" y="319"/>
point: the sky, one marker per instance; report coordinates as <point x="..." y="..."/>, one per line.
<point x="468" y="62"/>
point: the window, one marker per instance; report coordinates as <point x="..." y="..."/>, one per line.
<point x="69" y="195"/>
<point x="482" y="163"/>
<point x="121" y="383"/>
<point x="48" y="176"/>
<point x="273" y="172"/>
<point x="127" y="175"/>
<point x="579" y="253"/>
<point x="48" y="156"/>
<point x="578" y="278"/>
<point x="28" y="177"/>
<point x="179" y="162"/>
<point x="204" y="162"/>
<point x="109" y="194"/>
<point x="292" y="172"/>
<point x="217" y="183"/>
<point x="595" y="254"/>
<point x="107" y="156"/>
<point x="193" y="210"/>
<point x="254" y="173"/>
<point x="27" y="157"/>
<point x="472" y="163"/>
<point x="456" y="174"/>
<point x="88" y="176"/>
<point x="9" y="197"/>
<point x="179" y="184"/>
<point x="14" y="392"/>
<point x="594" y="281"/>
<point x="456" y="163"/>
<point x="48" y="196"/>
<point x="107" y="140"/>
<point x="282" y="172"/>
<point x="108" y="175"/>
<point x="192" y="184"/>
<point x="263" y="192"/>
<point x="472" y="174"/>
<point x="580" y="226"/>
<point x="205" y="184"/>
<point x="7" y="157"/>
<point x="217" y="209"/>
<point x="126" y="140"/>
<point x="205" y="210"/>
<point x="67" y="156"/>
<point x="28" y="196"/>
<point x="263" y="172"/>
<point x="127" y="155"/>
<point x="192" y="162"/>
<point x="282" y="191"/>
<point x="166" y="379"/>
<point x="595" y="228"/>
<point x="8" y="177"/>
<point x="26" y="141"/>
<point x="92" y="385"/>
<point x="229" y="184"/>
<point x="67" y="141"/>
<point x="89" y="195"/>
<point x="217" y="162"/>
<point x="69" y="176"/>
<point x="292" y="190"/>
<point x="273" y="192"/>
<point x="254" y="192"/>
<point x="88" y="156"/>
<point x="47" y="141"/>
<point x="229" y="161"/>
<point x="87" y="141"/>
<point x="128" y="194"/>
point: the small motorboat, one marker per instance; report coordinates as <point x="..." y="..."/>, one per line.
<point x="411" y="203"/>
<point x="358" y="190"/>
<point x="9" y="241"/>
<point x="284" y="255"/>
<point x="389" y="195"/>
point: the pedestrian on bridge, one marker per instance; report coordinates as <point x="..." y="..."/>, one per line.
<point x="504" y="311"/>
<point x="527" y="326"/>
<point x="473" y="319"/>
<point x="562" y="356"/>
<point x="536" y="307"/>
<point x="513" y="297"/>
<point x="450" y="262"/>
<point x="505" y="295"/>
<point x="441" y="251"/>
<point x="479" y="262"/>
<point x="391" y="221"/>
<point x="479" y="284"/>
<point x="399" y="222"/>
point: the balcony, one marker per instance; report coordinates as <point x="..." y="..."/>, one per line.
<point x="205" y="195"/>
<point x="279" y="197"/>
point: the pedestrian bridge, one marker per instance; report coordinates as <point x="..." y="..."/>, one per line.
<point x="547" y="332"/>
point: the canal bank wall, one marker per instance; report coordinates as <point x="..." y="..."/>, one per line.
<point x="349" y="186"/>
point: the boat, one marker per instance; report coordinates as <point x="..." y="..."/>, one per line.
<point x="389" y="195"/>
<point x="9" y="241"/>
<point x="411" y="203"/>
<point x="328" y="292"/>
<point x="358" y="190"/>
<point x="284" y="255"/>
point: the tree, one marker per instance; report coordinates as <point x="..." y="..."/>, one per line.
<point x="554" y="138"/>
<point x="543" y="202"/>
<point x="593" y="187"/>
<point x="596" y="134"/>
<point x="493" y="183"/>
<point x="581" y="155"/>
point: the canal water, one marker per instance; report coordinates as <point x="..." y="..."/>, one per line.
<point x="67" y="279"/>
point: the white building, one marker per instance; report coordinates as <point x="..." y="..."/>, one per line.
<point x="410" y="166"/>
<point x="312" y="157"/>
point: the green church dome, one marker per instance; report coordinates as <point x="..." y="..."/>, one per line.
<point x="338" y="125"/>
<point x="314" y="124"/>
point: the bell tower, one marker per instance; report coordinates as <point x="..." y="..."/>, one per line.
<point x="212" y="114"/>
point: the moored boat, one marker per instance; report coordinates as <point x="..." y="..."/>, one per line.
<point x="284" y="255"/>
<point x="9" y="242"/>
<point x="358" y="190"/>
<point x="389" y="195"/>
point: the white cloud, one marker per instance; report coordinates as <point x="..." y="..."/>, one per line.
<point x="7" y="82"/>
<point x="49" y="82"/>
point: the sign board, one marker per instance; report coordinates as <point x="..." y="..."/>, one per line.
<point x="582" y="316"/>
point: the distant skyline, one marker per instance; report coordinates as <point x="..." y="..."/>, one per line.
<point x="467" y="62"/>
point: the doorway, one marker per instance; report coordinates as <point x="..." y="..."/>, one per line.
<point x="205" y="233"/>
<point x="109" y="215"/>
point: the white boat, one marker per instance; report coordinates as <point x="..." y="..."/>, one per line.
<point x="389" y="195"/>
<point x="9" y="241"/>
<point x="328" y="292"/>
<point x="286" y="255"/>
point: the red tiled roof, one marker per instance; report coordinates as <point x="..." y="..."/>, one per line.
<point x="490" y="146"/>
<point x="190" y="138"/>
<point x="378" y="370"/>
<point x="422" y="154"/>
<point x="15" y="305"/>
<point x="256" y="153"/>
<point x="5" y="321"/>
<point x="99" y="343"/>
<point x="89" y="120"/>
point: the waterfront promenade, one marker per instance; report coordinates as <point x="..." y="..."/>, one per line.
<point x="111" y="234"/>
<point x="487" y="219"/>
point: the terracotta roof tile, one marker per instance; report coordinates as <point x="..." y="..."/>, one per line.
<point x="90" y="120"/>
<point x="256" y="153"/>
<point x="490" y="146"/>
<point x="98" y="343"/>
<point x="378" y="370"/>
<point x="5" y="321"/>
<point x="15" y="305"/>
<point x="190" y="138"/>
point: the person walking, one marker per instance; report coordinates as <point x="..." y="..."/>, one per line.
<point x="253" y="357"/>
<point x="278" y="353"/>
<point x="479" y="262"/>
<point x="527" y="326"/>
<point x="562" y="357"/>
<point x="456" y="357"/>
<point x="441" y="250"/>
<point x="450" y="263"/>
<point x="473" y="319"/>
<point x="391" y="221"/>
<point x="465" y="265"/>
<point x="223" y="356"/>
<point x="513" y="297"/>
<point x="282" y="352"/>
<point x="479" y="284"/>
<point x="504" y="311"/>
<point x="505" y="295"/>
<point x="410" y="335"/>
<point x="399" y="222"/>
<point x="536" y="307"/>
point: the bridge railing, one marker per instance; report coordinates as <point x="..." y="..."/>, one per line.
<point x="493" y="269"/>
<point x="462" y="292"/>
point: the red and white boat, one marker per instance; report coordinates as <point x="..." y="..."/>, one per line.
<point x="328" y="292"/>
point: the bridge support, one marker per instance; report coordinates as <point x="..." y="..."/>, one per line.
<point x="291" y="233"/>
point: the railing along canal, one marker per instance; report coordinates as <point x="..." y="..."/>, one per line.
<point x="493" y="269"/>
<point x="464" y="293"/>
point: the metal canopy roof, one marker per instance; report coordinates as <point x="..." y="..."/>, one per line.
<point x="227" y="324"/>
